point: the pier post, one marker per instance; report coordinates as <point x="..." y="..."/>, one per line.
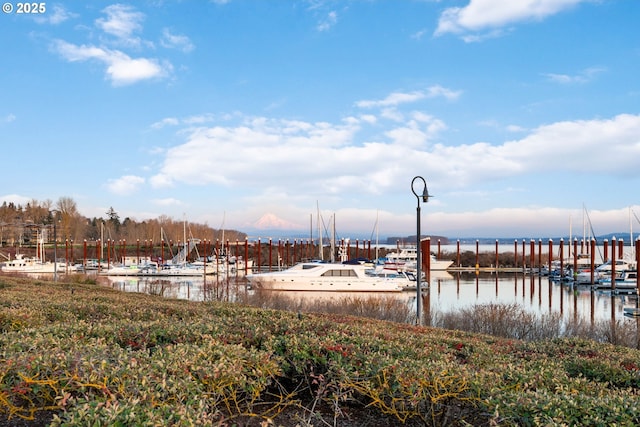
<point x="575" y="256"/>
<point x="539" y="255"/>
<point x="637" y="264"/>
<point x="216" y="251"/>
<point x="621" y="248"/>
<point x="515" y="253"/>
<point x="477" y="255"/>
<point x="532" y="254"/>
<point x="458" y="253"/>
<point x="550" y="254"/>
<point x="593" y="259"/>
<point x="287" y="244"/>
<point x="606" y="250"/>
<point x="497" y="258"/>
<point x="246" y="255"/>
<point x="613" y="264"/>
<point x="258" y="249"/>
<point x="561" y="258"/>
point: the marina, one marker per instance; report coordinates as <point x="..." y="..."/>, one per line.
<point x="534" y="293"/>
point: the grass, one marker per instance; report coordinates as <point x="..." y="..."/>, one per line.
<point x="70" y="352"/>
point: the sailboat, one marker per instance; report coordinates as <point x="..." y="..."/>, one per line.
<point x="177" y="266"/>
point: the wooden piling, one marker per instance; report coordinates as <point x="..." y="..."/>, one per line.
<point x="613" y="264"/>
<point x="593" y="260"/>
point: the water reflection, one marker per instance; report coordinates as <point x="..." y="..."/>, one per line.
<point x="447" y="293"/>
<point x="533" y="293"/>
<point x="188" y="288"/>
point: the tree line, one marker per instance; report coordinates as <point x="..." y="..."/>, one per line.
<point x="23" y="225"/>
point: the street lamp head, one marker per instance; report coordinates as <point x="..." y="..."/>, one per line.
<point x="425" y="194"/>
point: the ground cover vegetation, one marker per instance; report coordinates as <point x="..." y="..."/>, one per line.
<point x="506" y="320"/>
<point x="72" y="352"/>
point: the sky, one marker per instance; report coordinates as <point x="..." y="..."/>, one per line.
<point x="522" y="117"/>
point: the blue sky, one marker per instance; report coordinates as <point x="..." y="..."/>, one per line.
<point x="255" y="113"/>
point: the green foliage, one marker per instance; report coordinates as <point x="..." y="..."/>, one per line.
<point x="80" y="352"/>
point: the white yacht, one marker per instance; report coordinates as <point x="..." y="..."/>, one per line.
<point x="406" y="259"/>
<point x="625" y="279"/>
<point x="22" y="264"/>
<point x="334" y="277"/>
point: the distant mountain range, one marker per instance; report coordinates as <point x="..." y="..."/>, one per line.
<point x="504" y="240"/>
<point x="271" y="226"/>
<point x="393" y="240"/>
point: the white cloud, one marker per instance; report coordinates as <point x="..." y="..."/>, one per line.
<point x="328" y="21"/>
<point x="408" y="136"/>
<point x="55" y="15"/>
<point x="261" y="151"/>
<point x="191" y="120"/>
<point x="122" y="21"/>
<point x="397" y="98"/>
<point x="515" y="128"/>
<point x="176" y="41"/>
<point x="572" y="145"/>
<point x="368" y="118"/>
<point x="167" y="202"/>
<point x="581" y="146"/>
<point x="125" y="185"/>
<point x="480" y="15"/>
<point x="288" y="160"/>
<point x="198" y="119"/>
<point x="161" y="180"/>
<point x="167" y="121"/>
<point x="121" y="69"/>
<point x="8" y="118"/>
<point x="584" y="76"/>
<point x="418" y="34"/>
<point x="393" y="99"/>
<point x="439" y="91"/>
<point x="15" y="199"/>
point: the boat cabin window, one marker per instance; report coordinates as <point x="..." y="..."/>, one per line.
<point x="339" y="273"/>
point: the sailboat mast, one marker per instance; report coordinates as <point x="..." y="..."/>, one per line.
<point x="570" y="235"/>
<point x="320" y="251"/>
<point x="377" y="234"/>
<point x="333" y="238"/>
<point x="184" y="237"/>
<point x="102" y="240"/>
<point x="630" y="229"/>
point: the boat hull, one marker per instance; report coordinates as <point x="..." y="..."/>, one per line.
<point x="324" y="277"/>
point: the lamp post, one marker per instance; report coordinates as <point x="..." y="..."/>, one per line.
<point x="425" y="198"/>
<point x="54" y="214"/>
<point x="55" y="251"/>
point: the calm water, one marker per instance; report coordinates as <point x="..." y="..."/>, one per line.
<point x="447" y="293"/>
